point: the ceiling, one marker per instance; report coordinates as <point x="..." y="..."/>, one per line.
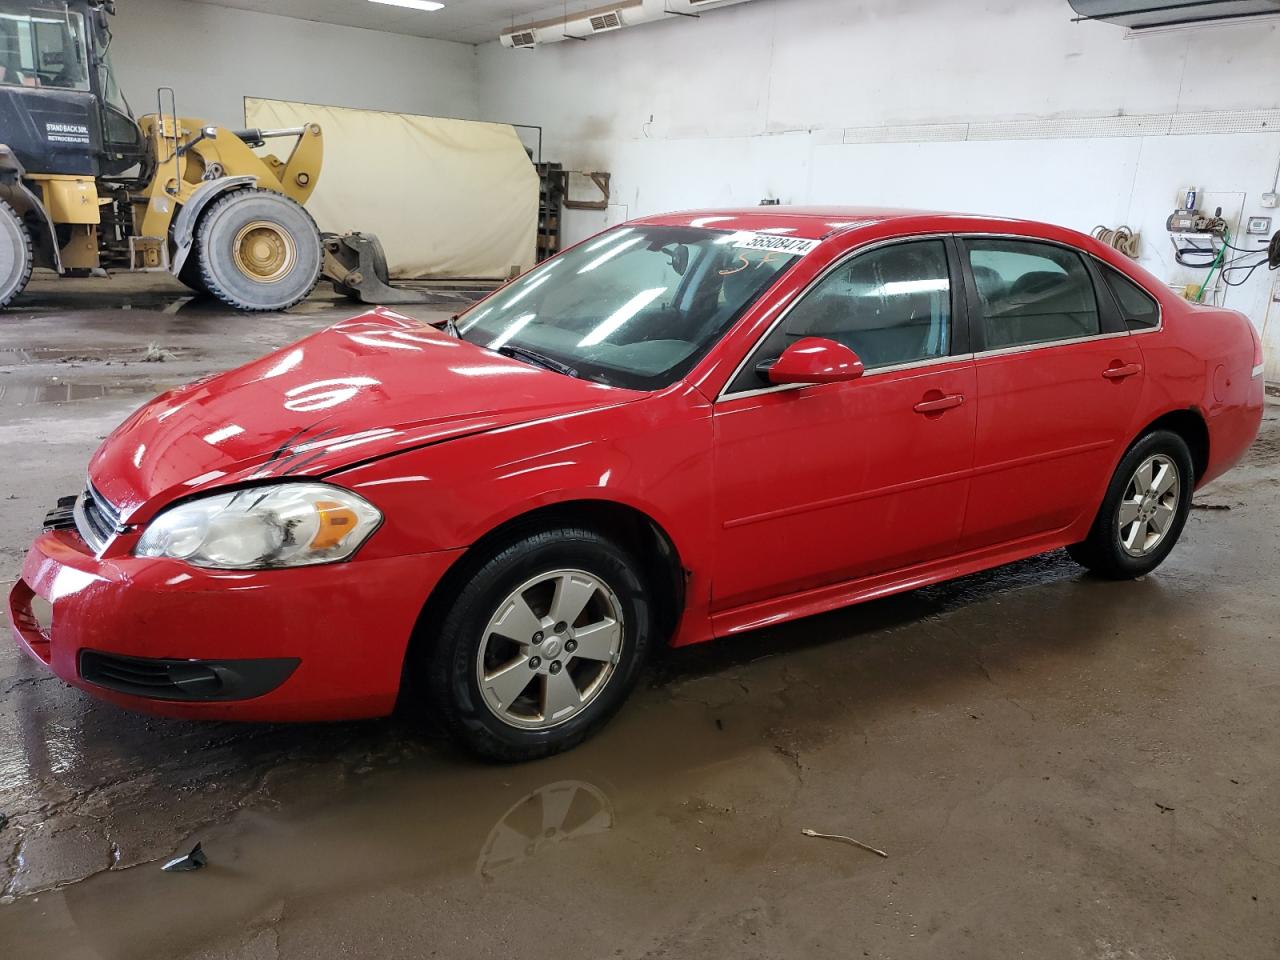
<point x="464" y="21"/>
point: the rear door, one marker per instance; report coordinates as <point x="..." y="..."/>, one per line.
<point x="1058" y="383"/>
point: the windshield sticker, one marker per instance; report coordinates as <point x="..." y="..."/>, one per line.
<point x="796" y="246"/>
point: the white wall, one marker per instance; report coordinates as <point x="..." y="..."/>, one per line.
<point x="215" y="56"/>
<point x="760" y="100"/>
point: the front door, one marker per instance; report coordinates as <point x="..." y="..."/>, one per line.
<point x="825" y="483"/>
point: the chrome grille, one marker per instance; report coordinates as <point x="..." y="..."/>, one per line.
<point x="97" y="520"/>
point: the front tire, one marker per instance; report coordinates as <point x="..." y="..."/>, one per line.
<point x="541" y="646"/>
<point x="190" y="272"/>
<point x="258" y="250"/>
<point x="16" y="260"/>
<point x="1144" y="509"/>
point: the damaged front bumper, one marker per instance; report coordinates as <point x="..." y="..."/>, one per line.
<point x="324" y="642"/>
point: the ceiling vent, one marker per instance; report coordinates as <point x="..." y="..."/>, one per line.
<point x="521" y="38"/>
<point x="619" y="14"/>
<point x="609" y="20"/>
<point x="1147" y="15"/>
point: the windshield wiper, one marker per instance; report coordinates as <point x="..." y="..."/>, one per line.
<point x="540" y="359"/>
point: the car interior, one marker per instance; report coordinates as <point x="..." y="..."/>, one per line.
<point x="889" y="306"/>
<point x="1030" y="298"/>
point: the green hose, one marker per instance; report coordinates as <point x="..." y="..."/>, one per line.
<point x="1226" y="238"/>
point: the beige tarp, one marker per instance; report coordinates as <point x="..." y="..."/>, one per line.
<point x="451" y="198"/>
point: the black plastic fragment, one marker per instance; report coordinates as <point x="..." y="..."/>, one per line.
<point x="191" y="861"/>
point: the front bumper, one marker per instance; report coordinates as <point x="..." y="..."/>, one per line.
<point x="347" y="626"/>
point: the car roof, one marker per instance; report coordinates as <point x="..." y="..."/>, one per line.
<point x="817" y="222"/>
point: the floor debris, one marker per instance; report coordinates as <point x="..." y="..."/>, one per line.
<point x="843" y="839"/>
<point x="1211" y="506"/>
<point x="188" y="862"/>
<point x="157" y="354"/>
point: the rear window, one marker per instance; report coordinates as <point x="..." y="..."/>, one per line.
<point x="1031" y="292"/>
<point x="1139" y="309"/>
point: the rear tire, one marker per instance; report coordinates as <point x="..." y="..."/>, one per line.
<point x="1144" y="509"/>
<point x="559" y="606"/>
<point x="15" y="254"/>
<point x="258" y="250"/>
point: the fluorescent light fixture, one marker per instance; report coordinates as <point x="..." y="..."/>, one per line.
<point x="622" y="315"/>
<point x="412" y="4"/>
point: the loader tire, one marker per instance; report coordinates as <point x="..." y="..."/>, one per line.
<point x="258" y="250"/>
<point x="190" y="272"/>
<point x="15" y="254"/>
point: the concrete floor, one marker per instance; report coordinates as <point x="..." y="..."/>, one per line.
<point x="1057" y="766"/>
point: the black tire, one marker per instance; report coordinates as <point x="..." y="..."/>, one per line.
<point x="221" y="231"/>
<point x="190" y="272"/>
<point x="1103" y="551"/>
<point x="445" y="662"/>
<point x="16" y="260"/>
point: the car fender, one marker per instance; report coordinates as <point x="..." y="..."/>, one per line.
<point x="184" y="224"/>
<point x="428" y="507"/>
<point x="450" y="495"/>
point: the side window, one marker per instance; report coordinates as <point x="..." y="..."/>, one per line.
<point x="1031" y="292"/>
<point x="1139" y="308"/>
<point x="890" y="306"/>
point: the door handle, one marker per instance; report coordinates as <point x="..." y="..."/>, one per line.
<point x="938" y="404"/>
<point x="1122" y="371"/>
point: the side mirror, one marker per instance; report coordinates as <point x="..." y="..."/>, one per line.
<point x="813" y="360"/>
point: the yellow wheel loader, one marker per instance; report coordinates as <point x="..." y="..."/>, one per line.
<point x="85" y="187"/>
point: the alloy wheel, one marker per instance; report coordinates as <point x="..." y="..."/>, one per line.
<point x="1149" y="505"/>
<point x="549" y="649"/>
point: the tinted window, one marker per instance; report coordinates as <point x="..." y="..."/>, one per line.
<point x="889" y="306"/>
<point x="1031" y="292"/>
<point x="1139" y="308"/>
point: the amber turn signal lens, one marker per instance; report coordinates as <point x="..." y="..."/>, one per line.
<point x="336" y="521"/>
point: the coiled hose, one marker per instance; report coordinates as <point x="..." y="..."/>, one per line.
<point x="1122" y="238"/>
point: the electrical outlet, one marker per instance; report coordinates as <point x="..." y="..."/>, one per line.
<point x="1259" y="226"/>
<point x="1270" y="199"/>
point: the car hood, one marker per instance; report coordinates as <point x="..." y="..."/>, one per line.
<point x="377" y="384"/>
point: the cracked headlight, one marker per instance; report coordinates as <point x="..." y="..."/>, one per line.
<point x="283" y="525"/>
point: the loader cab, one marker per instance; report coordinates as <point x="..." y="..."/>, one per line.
<point x="61" y="111"/>
<point x="124" y="145"/>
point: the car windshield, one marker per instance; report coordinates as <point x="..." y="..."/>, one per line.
<point x="636" y="307"/>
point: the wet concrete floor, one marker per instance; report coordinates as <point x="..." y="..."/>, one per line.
<point x="1057" y="766"/>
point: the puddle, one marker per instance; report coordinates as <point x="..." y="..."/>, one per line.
<point x="18" y="355"/>
<point x="57" y="390"/>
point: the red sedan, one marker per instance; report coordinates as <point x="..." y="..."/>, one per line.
<point x="686" y="427"/>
